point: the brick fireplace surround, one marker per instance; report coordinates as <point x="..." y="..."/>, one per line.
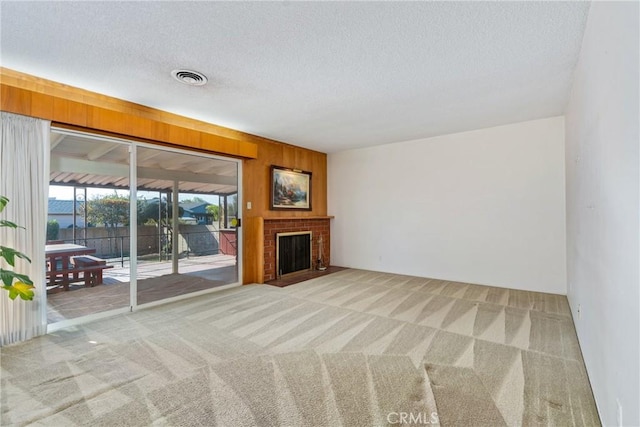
<point x="319" y="226"/>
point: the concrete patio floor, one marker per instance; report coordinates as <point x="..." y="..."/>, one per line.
<point x="156" y="281"/>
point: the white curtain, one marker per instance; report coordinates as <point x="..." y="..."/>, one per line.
<point x="24" y="177"/>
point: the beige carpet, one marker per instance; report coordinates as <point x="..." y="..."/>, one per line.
<point x="354" y="348"/>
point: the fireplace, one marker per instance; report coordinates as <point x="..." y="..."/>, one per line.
<point x="293" y="252"/>
<point x="319" y="227"/>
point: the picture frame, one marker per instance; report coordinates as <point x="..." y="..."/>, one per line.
<point x="290" y="189"/>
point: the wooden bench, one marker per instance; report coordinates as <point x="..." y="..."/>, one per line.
<point x="90" y="267"/>
<point x="82" y="268"/>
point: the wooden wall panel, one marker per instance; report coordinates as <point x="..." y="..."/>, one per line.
<point x="43" y="105"/>
<point x="35" y="97"/>
<point x="16" y="100"/>
<point x="257" y="179"/>
<point x="256" y="189"/>
<point x="253" y="252"/>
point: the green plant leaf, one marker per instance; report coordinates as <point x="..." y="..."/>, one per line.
<point x="7" y="277"/>
<point x="10" y="255"/>
<point x="23" y="290"/>
<point x="5" y="223"/>
<point x="23" y="286"/>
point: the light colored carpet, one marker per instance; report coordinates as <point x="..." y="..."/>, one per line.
<point x="354" y="348"/>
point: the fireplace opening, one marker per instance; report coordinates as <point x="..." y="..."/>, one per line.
<point x="293" y="252"/>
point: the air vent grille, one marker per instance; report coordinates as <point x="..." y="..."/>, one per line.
<point x="188" y="77"/>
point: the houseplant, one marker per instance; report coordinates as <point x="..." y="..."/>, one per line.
<point x="17" y="284"/>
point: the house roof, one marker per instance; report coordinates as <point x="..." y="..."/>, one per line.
<point x="63" y="207"/>
<point x="323" y="75"/>
<point x="195" y="207"/>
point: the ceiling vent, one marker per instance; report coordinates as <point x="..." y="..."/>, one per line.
<point x="188" y="77"/>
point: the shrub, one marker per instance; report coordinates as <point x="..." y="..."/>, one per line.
<point x="53" y="229"/>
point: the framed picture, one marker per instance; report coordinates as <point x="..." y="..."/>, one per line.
<point x="290" y="189"/>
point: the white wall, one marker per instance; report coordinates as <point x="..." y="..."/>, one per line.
<point x="486" y="207"/>
<point x="603" y="207"/>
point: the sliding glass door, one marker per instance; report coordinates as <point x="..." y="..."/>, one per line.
<point x="183" y="246"/>
<point x="88" y="227"/>
<point x="121" y="236"/>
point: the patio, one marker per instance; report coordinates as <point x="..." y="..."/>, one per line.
<point x="155" y="282"/>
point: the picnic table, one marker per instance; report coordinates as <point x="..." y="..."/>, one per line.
<point x="68" y="263"/>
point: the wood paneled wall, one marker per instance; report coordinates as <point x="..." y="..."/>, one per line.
<point x="257" y="179"/>
<point x="256" y="189"/>
<point x="44" y="99"/>
<point x="253" y="253"/>
<point x="65" y="105"/>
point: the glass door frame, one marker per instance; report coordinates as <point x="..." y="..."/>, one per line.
<point x="133" y="241"/>
<point x="134" y="238"/>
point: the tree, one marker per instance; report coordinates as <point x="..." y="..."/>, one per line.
<point x="112" y="210"/>
<point x="148" y="211"/>
<point x="53" y="229"/>
<point x="214" y="211"/>
<point x="195" y="199"/>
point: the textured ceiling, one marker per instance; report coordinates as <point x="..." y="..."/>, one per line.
<point x="323" y="75"/>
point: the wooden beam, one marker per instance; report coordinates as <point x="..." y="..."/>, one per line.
<point x="79" y="166"/>
<point x="164" y="174"/>
<point x="101" y="150"/>
<point x="56" y="139"/>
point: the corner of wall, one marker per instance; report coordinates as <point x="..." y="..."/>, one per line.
<point x="603" y="208"/>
